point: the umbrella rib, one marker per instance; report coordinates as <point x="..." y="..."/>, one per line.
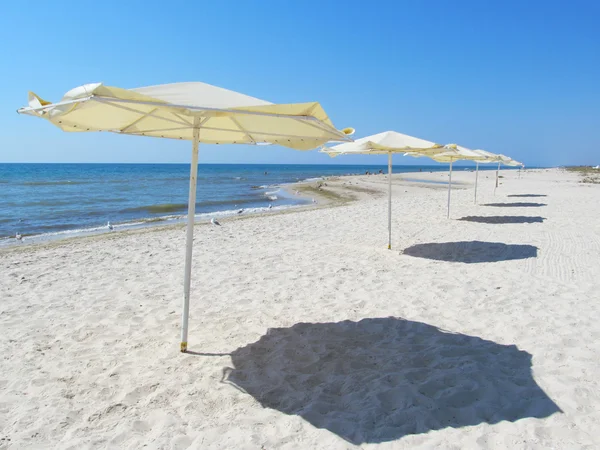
<point x="158" y="130"/>
<point x="138" y="120"/>
<point x="235" y="121"/>
<point x="29" y="109"/>
<point x="282" y="136"/>
<point x="182" y="118"/>
<point x="319" y="125"/>
<point x="126" y="108"/>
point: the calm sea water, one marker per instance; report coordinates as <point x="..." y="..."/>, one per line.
<point x="65" y="199"/>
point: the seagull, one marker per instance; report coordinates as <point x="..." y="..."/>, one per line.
<point x="314" y="201"/>
<point x="109" y="226"/>
<point x="270" y="206"/>
<point x="18" y="237"/>
<point x="240" y="211"/>
<point x="214" y="221"/>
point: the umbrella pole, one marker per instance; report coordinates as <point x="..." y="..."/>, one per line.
<point x="476" y="176"/>
<point x="449" y="188"/>
<point x="189" y="240"/>
<point x="497" y="170"/>
<point x="389" y="200"/>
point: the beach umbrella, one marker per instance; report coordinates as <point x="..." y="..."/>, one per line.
<point x="497" y="158"/>
<point x="196" y="112"/>
<point x="454" y="153"/>
<point x="506" y="161"/>
<point x="385" y="143"/>
<point x="489" y="158"/>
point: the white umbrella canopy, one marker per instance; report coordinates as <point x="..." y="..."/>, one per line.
<point x="386" y="143"/>
<point x="192" y="111"/>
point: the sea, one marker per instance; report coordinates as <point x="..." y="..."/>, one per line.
<point x="50" y="201"/>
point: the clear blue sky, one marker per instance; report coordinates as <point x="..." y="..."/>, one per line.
<point x="515" y="77"/>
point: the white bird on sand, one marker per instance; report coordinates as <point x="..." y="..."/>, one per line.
<point x="270" y="206"/>
<point x="240" y="211"/>
<point x="18" y="237"/>
<point x="109" y="226"/>
<point x="314" y="201"/>
<point x="214" y="221"/>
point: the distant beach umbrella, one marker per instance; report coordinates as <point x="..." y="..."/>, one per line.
<point x="489" y="158"/>
<point x="454" y="153"/>
<point x="386" y="143"/>
<point x="197" y="112"/>
<point x="495" y="158"/>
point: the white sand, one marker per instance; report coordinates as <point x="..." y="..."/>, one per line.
<point x="311" y="334"/>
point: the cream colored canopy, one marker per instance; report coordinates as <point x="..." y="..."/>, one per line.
<point x="453" y="153"/>
<point x="502" y="159"/>
<point x="174" y="110"/>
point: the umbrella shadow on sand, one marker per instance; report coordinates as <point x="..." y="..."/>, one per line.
<point x="470" y="252"/>
<point x="527" y="195"/>
<point x="380" y="379"/>
<point x="515" y="205"/>
<point x="503" y="219"/>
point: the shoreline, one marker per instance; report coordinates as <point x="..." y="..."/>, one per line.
<point x="336" y="190"/>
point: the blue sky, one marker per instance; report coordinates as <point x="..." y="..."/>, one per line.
<point x="515" y="77"/>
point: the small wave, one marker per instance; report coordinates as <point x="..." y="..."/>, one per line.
<point x="186" y="178"/>
<point x="272" y="197"/>
<point x="74" y="202"/>
<point x="157" y="209"/>
<point x="54" y="183"/>
<point x="272" y="193"/>
<point x="308" y="180"/>
<point x="66" y="233"/>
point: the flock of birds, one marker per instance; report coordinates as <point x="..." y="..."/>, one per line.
<point x="239" y="211"/>
<point x="19" y="236"/>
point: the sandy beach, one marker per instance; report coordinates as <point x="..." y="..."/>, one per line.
<point x="482" y="331"/>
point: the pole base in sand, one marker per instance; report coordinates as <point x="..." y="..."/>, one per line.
<point x="389" y="246"/>
<point x="183" y="347"/>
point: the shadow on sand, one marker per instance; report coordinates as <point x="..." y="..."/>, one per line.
<point x="527" y="195"/>
<point x="381" y="379"/>
<point x="471" y="251"/>
<point x="515" y="205"/>
<point x="503" y="219"/>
